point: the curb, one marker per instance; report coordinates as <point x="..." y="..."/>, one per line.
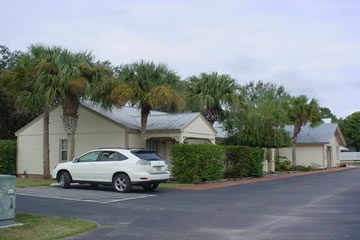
<point x="206" y="186"/>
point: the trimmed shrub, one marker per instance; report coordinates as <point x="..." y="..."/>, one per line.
<point x="243" y="162"/>
<point x="281" y="164"/>
<point x="301" y="168"/>
<point x="8" y="157"/>
<point x="194" y="163"/>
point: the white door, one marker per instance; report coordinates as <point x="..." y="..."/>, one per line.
<point x="107" y="164"/>
<point x="84" y="168"/>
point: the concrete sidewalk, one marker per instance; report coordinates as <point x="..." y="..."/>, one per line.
<point x="228" y="183"/>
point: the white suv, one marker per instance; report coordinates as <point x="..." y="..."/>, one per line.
<point x="119" y="167"/>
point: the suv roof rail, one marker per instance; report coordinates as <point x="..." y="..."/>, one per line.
<point x="120" y="148"/>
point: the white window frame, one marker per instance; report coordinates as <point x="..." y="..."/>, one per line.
<point x="62" y="150"/>
<point x="153" y="144"/>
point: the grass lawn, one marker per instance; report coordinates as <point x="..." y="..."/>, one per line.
<point x="41" y="228"/>
<point x="29" y="182"/>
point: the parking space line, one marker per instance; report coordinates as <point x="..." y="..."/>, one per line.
<point x="88" y="200"/>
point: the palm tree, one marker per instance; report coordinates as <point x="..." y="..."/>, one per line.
<point x="209" y="93"/>
<point x="301" y="111"/>
<point x="34" y="81"/>
<point x="46" y="76"/>
<point x="77" y="75"/>
<point x="148" y="86"/>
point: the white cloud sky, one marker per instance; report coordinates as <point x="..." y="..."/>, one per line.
<point x="310" y="47"/>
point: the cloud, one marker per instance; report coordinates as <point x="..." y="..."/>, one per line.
<point x="309" y="47"/>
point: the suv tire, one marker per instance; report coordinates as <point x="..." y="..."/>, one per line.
<point x="122" y="183"/>
<point x="64" y="179"/>
<point x="150" y="187"/>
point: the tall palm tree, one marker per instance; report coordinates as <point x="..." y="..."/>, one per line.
<point x="210" y="93"/>
<point x="34" y="81"/>
<point x="148" y="86"/>
<point x="301" y="111"/>
<point x="77" y="74"/>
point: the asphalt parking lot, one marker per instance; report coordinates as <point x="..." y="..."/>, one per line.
<point x="81" y="193"/>
<point x="322" y="206"/>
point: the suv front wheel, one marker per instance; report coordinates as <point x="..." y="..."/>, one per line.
<point x="122" y="183"/>
<point x="64" y="179"/>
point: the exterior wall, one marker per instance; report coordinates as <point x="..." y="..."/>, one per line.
<point x="134" y="140"/>
<point x="306" y="155"/>
<point x="93" y="131"/>
<point x="199" y="129"/>
<point x="96" y="131"/>
<point x="335" y="151"/>
<point x="29" y="154"/>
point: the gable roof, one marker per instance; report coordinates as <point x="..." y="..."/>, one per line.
<point x="131" y="117"/>
<point x="319" y="134"/>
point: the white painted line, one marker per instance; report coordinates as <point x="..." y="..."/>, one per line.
<point x="87" y="200"/>
<point x="131" y="198"/>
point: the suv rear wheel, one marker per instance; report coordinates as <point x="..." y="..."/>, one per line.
<point x="122" y="183"/>
<point x="150" y="187"/>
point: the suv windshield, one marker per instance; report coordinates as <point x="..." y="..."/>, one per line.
<point x="147" y="155"/>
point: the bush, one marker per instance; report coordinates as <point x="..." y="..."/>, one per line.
<point x="195" y="163"/>
<point x="243" y="162"/>
<point x="8" y="157"/>
<point x="282" y="165"/>
<point x="302" y="168"/>
<point x="342" y="164"/>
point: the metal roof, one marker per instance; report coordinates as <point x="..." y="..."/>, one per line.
<point x="130" y="117"/>
<point x="319" y="134"/>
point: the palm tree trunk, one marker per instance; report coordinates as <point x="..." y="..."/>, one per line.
<point x="293" y="155"/>
<point x="70" y="121"/>
<point x="297" y="129"/>
<point x="144" y="117"/>
<point x="46" y="143"/>
<point x="71" y="141"/>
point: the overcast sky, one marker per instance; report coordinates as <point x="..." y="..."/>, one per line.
<point x="310" y="47"/>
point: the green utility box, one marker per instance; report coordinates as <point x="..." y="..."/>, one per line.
<point x="7" y="200"/>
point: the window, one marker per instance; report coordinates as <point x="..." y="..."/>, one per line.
<point x="63" y="150"/>
<point x="89" y="157"/>
<point x="152" y="144"/>
<point x="111" y="156"/>
<point x="147" y="155"/>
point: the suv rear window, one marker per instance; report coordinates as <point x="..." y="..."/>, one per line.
<point x="147" y="155"/>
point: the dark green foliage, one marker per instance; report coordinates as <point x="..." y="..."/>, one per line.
<point x="301" y="168"/>
<point x="351" y="130"/>
<point x="8" y="157"/>
<point x="282" y="165"/>
<point x="342" y="165"/>
<point x="260" y="121"/>
<point x="195" y="163"/>
<point x="243" y="162"/>
<point x="210" y="93"/>
<point x="12" y="117"/>
<point x="326" y="113"/>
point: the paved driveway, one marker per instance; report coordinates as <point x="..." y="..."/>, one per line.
<point x="319" y="206"/>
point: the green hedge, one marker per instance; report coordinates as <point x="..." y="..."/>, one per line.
<point x="8" y="157"/>
<point x="243" y="162"/>
<point x="195" y="163"/>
